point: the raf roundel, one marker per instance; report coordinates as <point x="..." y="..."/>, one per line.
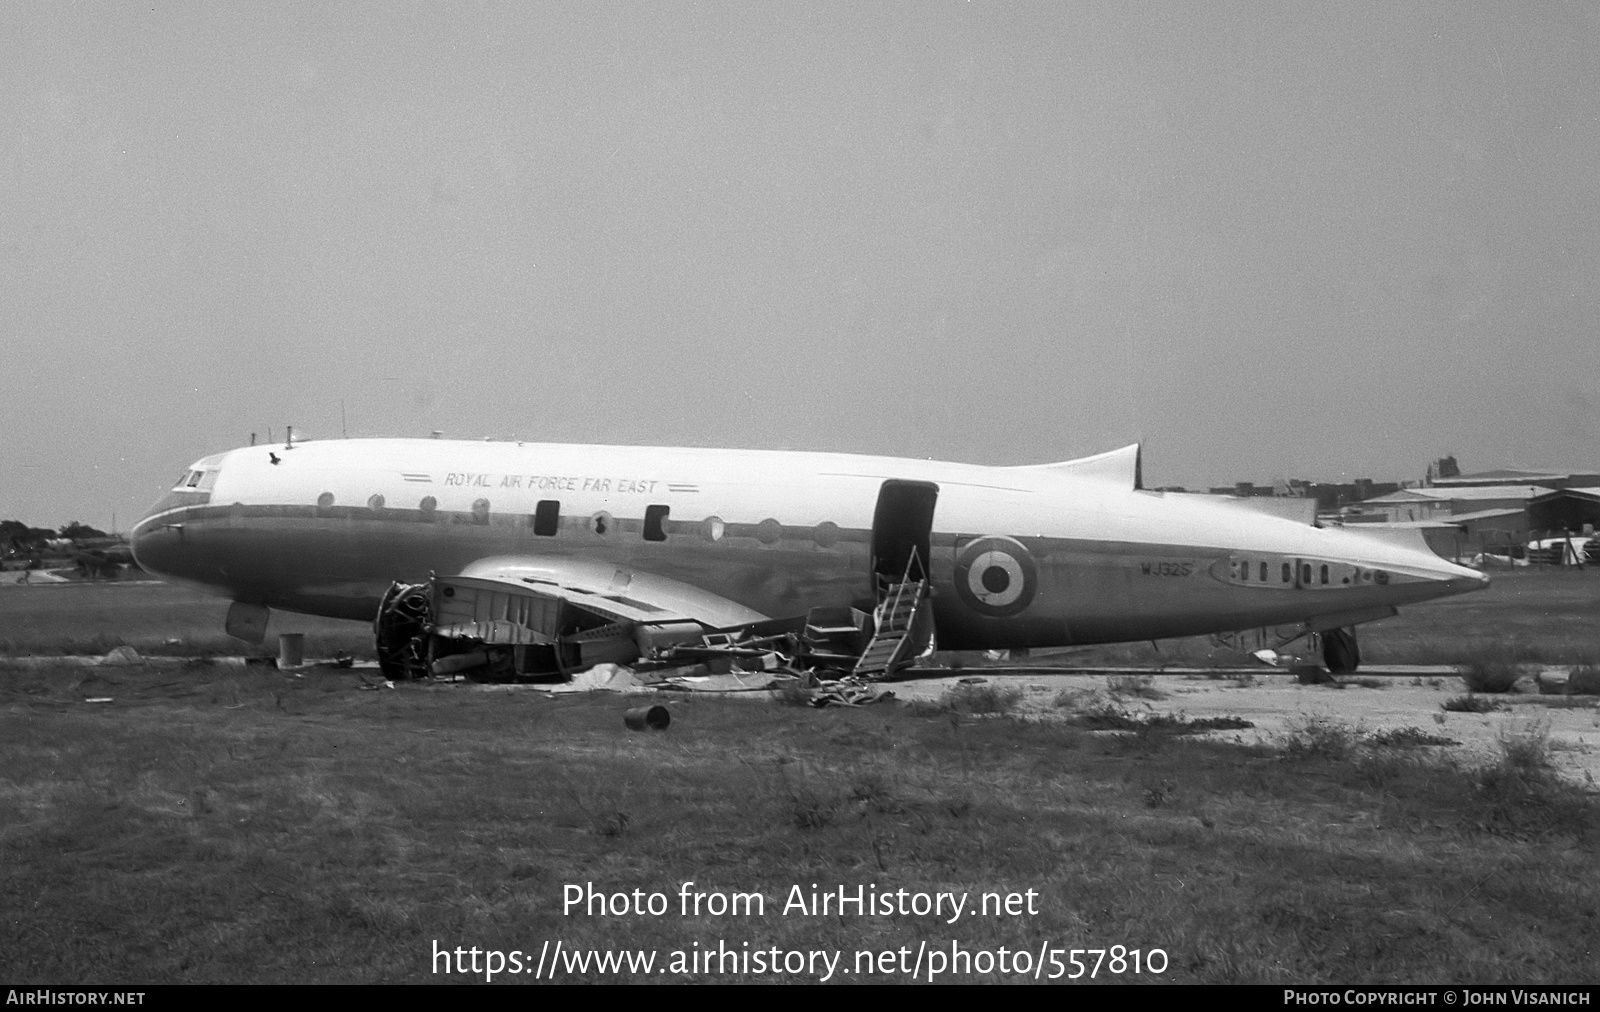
<point x="996" y="577"/>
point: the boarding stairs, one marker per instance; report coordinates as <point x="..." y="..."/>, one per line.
<point x="902" y="625"/>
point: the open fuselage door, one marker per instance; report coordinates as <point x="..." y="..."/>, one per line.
<point x="902" y="532"/>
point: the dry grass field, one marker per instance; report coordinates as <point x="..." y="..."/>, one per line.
<point x="153" y="618"/>
<point x="216" y="823"/>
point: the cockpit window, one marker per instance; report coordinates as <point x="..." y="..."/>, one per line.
<point x="207" y="480"/>
<point x="194" y="478"/>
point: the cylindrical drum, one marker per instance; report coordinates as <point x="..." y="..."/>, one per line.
<point x="656" y="718"/>
<point x="291" y="650"/>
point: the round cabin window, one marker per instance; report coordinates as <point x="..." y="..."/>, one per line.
<point x="712" y="528"/>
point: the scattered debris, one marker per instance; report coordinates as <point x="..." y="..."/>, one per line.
<point x="503" y="627"/>
<point x="733" y="681"/>
<point x="849" y="693"/>
<point x="1313" y="674"/>
<point x="654" y="718"/>
<point x="123" y="656"/>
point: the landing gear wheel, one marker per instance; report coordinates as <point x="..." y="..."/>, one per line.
<point x="1340" y="652"/>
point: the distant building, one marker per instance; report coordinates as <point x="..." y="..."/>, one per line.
<point x="1329" y="496"/>
<point x="1242" y="489"/>
<point x="1332" y="496"/>
<point x="1443" y="473"/>
<point x="1567" y="510"/>
<point x="1500" y="531"/>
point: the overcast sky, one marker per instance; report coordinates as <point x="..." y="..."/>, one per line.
<point x="1302" y="240"/>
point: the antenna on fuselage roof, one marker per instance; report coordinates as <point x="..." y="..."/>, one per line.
<point x="288" y="437"/>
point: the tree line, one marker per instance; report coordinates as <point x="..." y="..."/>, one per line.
<point x="17" y="538"/>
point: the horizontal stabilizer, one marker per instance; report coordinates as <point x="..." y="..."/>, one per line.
<point x="1121" y="467"/>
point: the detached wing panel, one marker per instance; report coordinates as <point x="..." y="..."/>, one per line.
<point x="526" y="600"/>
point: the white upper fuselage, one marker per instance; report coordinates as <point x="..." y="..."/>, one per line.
<point x="323" y="527"/>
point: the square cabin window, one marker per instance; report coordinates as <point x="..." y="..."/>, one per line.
<point x="653" y="518"/>
<point x="547" y="517"/>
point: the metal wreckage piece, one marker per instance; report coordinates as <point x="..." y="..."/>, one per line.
<point x="481" y="631"/>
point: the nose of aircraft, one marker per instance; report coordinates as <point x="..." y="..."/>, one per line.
<point x="157" y="540"/>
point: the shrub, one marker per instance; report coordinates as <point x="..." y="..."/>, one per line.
<point x="1109" y="718"/>
<point x="1494" y="666"/>
<point x="1073" y="699"/>
<point x="1142" y="686"/>
<point x="1584" y="681"/>
<point x="1322" y="739"/>
<point x="984" y="698"/>
<point x="1408" y="737"/>
<point x="1469" y="704"/>
<point x="1526" y="750"/>
<point x="1522" y="795"/>
<point x="1490" y="675"/>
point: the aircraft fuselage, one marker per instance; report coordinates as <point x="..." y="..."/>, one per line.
<point x="1018" y="556"/>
